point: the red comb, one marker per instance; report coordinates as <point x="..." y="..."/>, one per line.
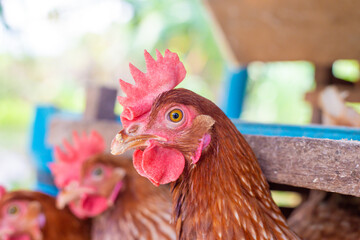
<point x="162" y="75"/>
<point x="2" y="191"/>
<point x="67" y="167"/>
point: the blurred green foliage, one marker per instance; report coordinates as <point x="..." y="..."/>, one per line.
<point x="286" y="198"/>
<point x="181" y="26"/>
<point x="275" y="92"/>
<point x="348" y="70"/>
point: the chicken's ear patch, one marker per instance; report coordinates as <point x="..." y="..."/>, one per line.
<point x="34" y="209"/>
<point x="204" y="142"/>
<point x="160" y="165"/>
<point x="205" y="120"/>
<point x="200" y="130"/>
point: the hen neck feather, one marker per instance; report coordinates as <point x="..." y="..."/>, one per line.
<point x="141" y="211"/>
<point x="225" y="195"/>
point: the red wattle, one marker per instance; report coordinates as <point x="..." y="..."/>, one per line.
<point x="20" y="237"/>
<point x="137" y="161"/>
<point x="94" y="205"/>
<point x="159" y="164"/>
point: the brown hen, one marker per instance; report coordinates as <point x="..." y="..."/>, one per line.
<point x="33" y="215"/>
<point x="327" y="216"/>
<point x="141" y="211"/>
<point x="107" y="189"/>
<point x="219" y="191"/>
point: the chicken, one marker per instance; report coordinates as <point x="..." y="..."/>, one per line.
<point x="335" y="112"/>
<point x="107" y="189"/>
<point x="26" y="215"/>
<point x="329" y="216"/>
<point x="324" y="215"/>
<point x="218" y="189"/>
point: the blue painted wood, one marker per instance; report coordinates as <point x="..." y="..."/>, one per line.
<point x="39" y="128"/>
<point x="310" y="131"/>
<point x="235" y="90"/>
<point x="48" y="189"/>
<point x="41" y="152"/>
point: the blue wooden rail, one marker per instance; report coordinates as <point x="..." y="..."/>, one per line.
<point x="41" y="152"/>
<point x="310" y="131"/>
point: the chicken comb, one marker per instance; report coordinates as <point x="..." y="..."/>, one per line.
<point x="68" y="165"/>
<point x="162" y="75"/>
<point x="2" y="191"/>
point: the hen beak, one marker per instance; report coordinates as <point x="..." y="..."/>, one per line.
<point x="123" y="141"/>
<point x="6" y="232"/>
<point x="71" y="193"/>
<point x="65" y="197"/>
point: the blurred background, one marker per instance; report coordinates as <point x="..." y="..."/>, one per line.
<point x="50" y="50"/>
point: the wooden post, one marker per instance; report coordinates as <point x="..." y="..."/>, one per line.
<point x="323" y="75"/>
<point x="100" y="103"/>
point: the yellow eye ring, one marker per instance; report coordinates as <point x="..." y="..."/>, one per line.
<point x="176" y="115"/>
<point x="12" y="210"/>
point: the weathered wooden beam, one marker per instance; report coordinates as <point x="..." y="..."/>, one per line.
<point x="328" y="165"/>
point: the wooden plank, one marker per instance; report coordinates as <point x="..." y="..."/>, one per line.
<point x="279" y="30"/>
<point x="61" y="128"/>
<point x="322" y="164"/>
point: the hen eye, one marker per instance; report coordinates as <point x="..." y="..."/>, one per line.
<point x="176" y="115"/>
<point x="12" y="210"/>
<point x="97" y="172"/>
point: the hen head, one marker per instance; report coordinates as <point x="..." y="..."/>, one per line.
<point x="20" y="219"/>
<point x="89" y="185"/>
<point x="67" y="167"/>
<point x="170" y="134"/>
<point x="97" y="189"/>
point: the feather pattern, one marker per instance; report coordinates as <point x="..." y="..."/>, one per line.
<point x="225" y="195"/>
